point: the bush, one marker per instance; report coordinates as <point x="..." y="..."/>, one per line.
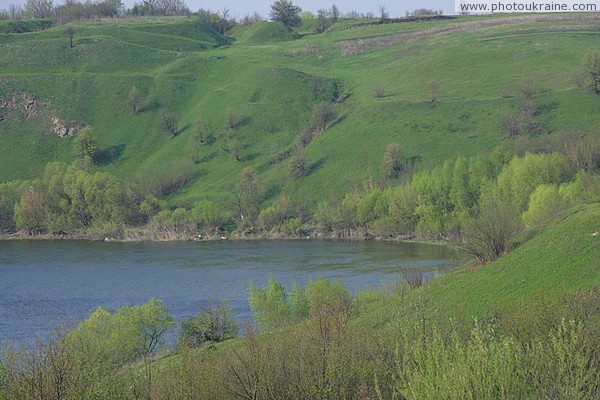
<point x="393" y="161"/>
<point x="298" y="166"/>
<point x="545" y="204"/>
<point x="492" y="234"/>
<point x="210" y="325"/>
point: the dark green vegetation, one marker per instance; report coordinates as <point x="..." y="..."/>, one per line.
<point x="525" y="326"/>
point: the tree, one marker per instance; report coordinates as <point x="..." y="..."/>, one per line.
<point x="70" y="32"/>
<point x="298" y="165"/>
<point x="286" y="12"/>
<point x="39" y="8"/>
<point x="383" y="14"/>
<point x="393" y="160"/>
<point x="168" y="124"/>
<point x="212" y="324"/>
<point x="134" y="99"/>
<point x="592" y="66"/>
<point x="250" y="195"/>
<point x="84" y="145"/>
<point x="433" y="86"/>
<point x="492" y="234"/>
<point x="334" y="13"/>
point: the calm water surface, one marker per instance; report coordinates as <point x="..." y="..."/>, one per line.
<point x="47" y="283"/>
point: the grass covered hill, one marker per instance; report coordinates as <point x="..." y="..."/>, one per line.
<point x="442" y="89"/>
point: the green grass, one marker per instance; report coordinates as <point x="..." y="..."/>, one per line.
<point x="265" y="78"/>
<point x="562" y="260"/>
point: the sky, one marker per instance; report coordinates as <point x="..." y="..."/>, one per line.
<point x="239" y="8"/>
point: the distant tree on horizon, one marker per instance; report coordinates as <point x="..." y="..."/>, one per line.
<point x="286" y="12"/>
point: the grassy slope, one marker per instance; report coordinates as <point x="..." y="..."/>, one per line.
<point x="265" y="80"/>
<point x="563" y="259"/>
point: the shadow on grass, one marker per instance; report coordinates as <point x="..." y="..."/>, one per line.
<point x="110" y="154"/>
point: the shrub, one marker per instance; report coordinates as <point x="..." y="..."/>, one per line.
<point x="393" y="161"/>
<point x="85" y="147"/>
<point x="298" y="165"/>
<point x="210" y="325"/>
<point x="492" y="234"/>
<point x="545" y="204"/>
<point x="269" y="305"/>
<point x="379" y="91"/>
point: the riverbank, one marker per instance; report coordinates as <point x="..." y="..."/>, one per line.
<point x="149" y="236"/>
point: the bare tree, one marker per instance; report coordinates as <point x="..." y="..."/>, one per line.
<point x="169" y="124"/>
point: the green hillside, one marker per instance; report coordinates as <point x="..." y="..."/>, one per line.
<point x="268" y="82"/>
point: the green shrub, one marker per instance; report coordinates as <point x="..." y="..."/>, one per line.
<point x="213" y="324"/>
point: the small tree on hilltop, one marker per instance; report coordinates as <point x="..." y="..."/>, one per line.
<point x="592" y="66"/>
<point x="70" y="32"/>
<point x="393" y="160"/>
<point x="134" y="100"/>
<point x="168" y="124"/>
<point x="286" y="12"/>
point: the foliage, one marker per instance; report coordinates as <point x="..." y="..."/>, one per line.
<point x="286" y="12"/>
<point x="85" y="147"/>
<point x="213" y="324"/>
<point x="493" y="233"/>
<point x="592" y="66"/>
<point x="393" y="161"/>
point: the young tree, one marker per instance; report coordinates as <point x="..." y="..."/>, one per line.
<point x="134" y="100"/>
<point x="433" y="86"/>
<point x="84" y="145"/>
<point x="298" y="165"/>
<point x="286" y="12"/>
<point x="250" y="195"/>
<point x="592" y="66"/>
<point x="334" y="13"/>
<point x="393" y="160"/>
<point x="169" y="124"/>
<point x="39" y="8"/>
<point x="383" y="13"/>
<point x="70" y="32"/>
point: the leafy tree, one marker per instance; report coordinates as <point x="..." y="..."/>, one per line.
<point x="269" y="305"/>
<point x="213" y="324"/>
<point x="127" y="334"/>
<point x="210" y="216"/>
<point x="393" y="161"/>
<point x="286" y="12"/>
<point x="85" y="147"/>
<point x="592" y="66"/>
<point x="545" y="204"/>
<point x="134" y="100"/>
<point x="523" y="175"/>
<point x="169" y="124"/>
<point x="30" y="212"/>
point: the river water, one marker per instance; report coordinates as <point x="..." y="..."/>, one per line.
<point x="46" y="284"/>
